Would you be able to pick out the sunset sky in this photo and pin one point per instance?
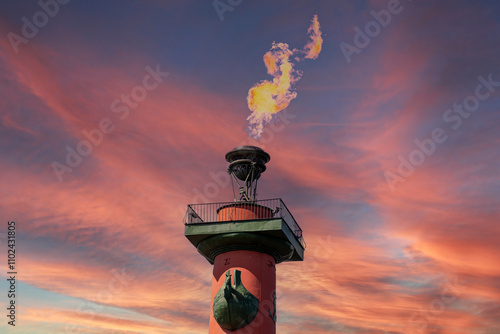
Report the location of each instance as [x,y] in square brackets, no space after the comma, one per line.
[388,158]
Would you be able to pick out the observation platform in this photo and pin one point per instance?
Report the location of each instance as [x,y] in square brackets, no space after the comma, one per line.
[263,225]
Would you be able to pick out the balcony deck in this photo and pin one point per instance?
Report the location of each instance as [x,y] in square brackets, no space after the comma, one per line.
[269,217]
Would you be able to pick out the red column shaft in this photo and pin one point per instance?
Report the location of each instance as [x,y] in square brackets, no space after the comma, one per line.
[258,275]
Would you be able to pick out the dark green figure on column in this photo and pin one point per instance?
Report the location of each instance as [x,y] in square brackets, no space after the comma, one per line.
[234,306]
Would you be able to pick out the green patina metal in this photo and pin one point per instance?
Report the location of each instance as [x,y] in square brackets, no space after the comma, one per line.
[198,235]
[280,249]
[234,306]
[273,314]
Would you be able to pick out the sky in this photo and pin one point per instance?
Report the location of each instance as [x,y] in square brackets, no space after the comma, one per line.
[115,115]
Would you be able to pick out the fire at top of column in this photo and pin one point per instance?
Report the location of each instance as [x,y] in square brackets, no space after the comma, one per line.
[269,97]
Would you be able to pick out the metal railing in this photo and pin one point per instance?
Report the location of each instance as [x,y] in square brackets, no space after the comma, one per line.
[233,211]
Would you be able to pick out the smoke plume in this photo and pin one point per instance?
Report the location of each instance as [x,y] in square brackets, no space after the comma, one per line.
[269,97]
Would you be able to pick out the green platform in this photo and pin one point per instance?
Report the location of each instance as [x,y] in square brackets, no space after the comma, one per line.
[274,233]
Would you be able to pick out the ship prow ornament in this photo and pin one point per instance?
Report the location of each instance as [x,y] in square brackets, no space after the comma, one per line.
[234,306]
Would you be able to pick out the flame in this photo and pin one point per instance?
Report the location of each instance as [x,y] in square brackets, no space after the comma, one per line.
[313,47]
[269,97]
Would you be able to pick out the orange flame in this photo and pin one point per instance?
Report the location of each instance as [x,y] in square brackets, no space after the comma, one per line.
[313,47]
[269,97]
